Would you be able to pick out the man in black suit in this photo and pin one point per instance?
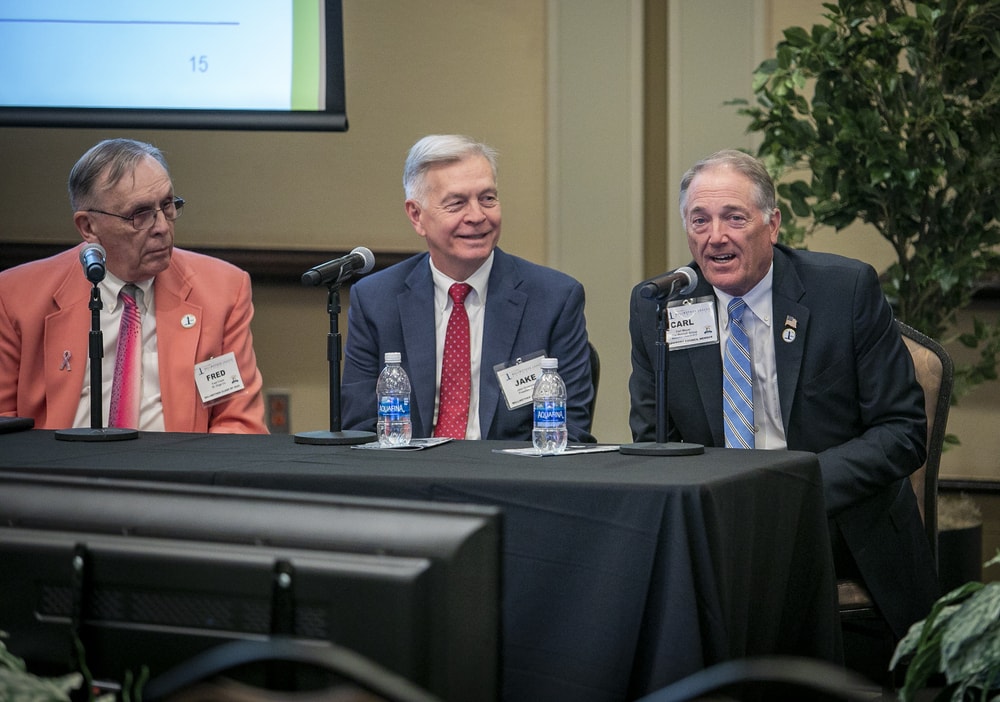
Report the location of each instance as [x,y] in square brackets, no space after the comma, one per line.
[830,375]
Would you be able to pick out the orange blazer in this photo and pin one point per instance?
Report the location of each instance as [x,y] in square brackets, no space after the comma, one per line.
[45,315]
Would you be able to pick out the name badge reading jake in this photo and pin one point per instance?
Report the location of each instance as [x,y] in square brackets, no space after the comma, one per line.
[217,378]
[517,380]
[692,322]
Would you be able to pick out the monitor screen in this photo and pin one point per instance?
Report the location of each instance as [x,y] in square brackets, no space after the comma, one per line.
[154,574]
[225,64]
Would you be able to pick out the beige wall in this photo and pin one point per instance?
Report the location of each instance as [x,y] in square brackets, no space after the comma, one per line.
[555,85]
[475,67]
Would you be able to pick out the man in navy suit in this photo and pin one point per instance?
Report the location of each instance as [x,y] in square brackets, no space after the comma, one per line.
[517,310]
[831,375]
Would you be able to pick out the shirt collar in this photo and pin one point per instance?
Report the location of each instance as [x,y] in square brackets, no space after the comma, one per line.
[478,281]
[112,285]
[757,299]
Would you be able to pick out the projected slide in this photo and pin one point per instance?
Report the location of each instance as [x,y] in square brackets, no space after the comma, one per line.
[217,54]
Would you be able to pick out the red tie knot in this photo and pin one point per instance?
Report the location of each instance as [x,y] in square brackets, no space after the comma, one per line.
[128,294]
[458,291]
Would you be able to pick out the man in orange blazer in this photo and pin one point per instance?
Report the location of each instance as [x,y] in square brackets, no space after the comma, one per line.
[193,307]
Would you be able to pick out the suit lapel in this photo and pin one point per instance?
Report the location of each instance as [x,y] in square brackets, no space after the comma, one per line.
[416,311]
[177,346]
[706,367]
[504,310]
[67,330]
[787,290]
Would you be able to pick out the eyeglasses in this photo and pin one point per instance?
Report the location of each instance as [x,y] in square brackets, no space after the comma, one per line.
[144,219]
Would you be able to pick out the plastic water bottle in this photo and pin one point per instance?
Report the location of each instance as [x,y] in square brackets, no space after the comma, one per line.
[549,396]
[393,391]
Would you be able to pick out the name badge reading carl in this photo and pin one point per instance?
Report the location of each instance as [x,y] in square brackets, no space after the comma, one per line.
[217,378]
[692,322]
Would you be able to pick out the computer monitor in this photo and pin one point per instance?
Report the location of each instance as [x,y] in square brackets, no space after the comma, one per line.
[152,574]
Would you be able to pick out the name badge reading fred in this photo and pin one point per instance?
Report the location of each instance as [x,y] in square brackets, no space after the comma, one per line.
[517,380]
[692,322]
[217,378]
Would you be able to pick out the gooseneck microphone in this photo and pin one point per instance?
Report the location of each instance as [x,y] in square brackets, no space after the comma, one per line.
[93,257]
[666,285]
[359,261]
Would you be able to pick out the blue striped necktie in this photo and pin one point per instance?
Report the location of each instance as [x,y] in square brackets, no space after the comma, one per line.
[737,385]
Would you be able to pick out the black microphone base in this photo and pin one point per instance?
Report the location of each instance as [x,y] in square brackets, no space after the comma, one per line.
[670,448]
[102,434]
[335,438]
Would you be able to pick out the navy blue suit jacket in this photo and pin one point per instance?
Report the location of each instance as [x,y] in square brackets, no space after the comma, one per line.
[847,392]
[529,308]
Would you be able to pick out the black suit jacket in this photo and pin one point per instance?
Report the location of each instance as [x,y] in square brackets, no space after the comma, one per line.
[847,392]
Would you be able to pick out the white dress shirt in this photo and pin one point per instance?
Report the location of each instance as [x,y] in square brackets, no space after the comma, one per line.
[769,433]
[475,307]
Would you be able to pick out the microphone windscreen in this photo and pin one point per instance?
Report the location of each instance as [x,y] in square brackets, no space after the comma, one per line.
[87,248]
[368,257]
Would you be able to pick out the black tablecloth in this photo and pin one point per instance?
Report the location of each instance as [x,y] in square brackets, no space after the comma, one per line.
[621,573]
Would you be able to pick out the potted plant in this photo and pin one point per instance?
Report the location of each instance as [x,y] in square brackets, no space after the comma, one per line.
[16,683]
[959,639]
[889,114]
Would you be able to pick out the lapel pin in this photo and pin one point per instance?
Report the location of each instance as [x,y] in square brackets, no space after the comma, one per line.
[788,333]
[188,321]
[65,361]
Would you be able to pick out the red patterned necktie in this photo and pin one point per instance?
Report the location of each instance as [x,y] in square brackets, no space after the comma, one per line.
[456,369]
[126,387]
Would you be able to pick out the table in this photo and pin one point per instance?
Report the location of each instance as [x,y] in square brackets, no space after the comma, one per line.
[622,573]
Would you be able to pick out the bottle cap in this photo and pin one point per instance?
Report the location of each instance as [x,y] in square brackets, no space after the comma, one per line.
[550,363]
[393,356]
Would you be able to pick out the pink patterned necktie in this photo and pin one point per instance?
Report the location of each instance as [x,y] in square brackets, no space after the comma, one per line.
[456,369]
[126,388]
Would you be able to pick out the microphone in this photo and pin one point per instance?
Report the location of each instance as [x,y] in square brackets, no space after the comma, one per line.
[92,257]
[360,261]
[663,287]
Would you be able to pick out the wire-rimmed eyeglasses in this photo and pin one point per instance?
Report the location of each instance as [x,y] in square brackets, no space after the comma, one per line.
[144,219]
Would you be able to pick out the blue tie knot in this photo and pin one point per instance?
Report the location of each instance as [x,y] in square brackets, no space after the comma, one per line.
[736,307]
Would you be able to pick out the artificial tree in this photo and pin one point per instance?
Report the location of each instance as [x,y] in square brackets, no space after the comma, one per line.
[889,114]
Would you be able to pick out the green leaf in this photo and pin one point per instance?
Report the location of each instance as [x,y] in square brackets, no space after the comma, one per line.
[797,36]
[970,643]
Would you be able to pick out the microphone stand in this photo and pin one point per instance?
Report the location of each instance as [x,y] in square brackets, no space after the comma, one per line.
[661,447]
[97,430]
[333,349]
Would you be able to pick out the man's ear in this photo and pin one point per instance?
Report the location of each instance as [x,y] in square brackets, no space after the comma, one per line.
[84,224]
[413,212]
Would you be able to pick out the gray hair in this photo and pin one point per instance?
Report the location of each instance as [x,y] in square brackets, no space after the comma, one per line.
[437,149]
[119,157]
[760,179]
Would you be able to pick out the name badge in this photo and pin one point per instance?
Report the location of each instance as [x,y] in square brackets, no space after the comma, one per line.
[517,380]
[692,322]
[217,378]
